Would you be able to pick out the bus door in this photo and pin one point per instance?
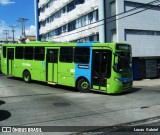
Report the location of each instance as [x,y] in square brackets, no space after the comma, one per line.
[10,61]
[52,65]
[99,69]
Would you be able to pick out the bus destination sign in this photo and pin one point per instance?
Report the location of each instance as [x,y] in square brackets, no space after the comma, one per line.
[123,47]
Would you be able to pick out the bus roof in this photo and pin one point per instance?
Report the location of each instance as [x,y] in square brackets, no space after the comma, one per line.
[67,44]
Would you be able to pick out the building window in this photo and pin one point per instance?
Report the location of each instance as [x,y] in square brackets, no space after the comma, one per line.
[113,36]
[66,54]
[142,32]
[78,2]
[70,6]
[113,8]
[64,28]
[90,17]
[72,26]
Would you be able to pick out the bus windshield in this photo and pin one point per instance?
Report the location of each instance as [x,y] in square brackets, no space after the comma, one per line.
[124,62]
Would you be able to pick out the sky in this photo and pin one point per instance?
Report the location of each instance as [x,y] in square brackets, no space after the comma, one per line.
[11,10]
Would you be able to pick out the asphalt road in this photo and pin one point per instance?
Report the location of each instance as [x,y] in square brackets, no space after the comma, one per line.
[38,104]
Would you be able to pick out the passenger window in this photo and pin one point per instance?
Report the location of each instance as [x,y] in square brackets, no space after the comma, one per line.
[82,55]
[19,52]
[66,54]
[4,52]
[39,53]
[28,53]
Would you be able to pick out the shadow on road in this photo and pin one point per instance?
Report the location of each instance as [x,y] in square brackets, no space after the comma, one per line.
[4,115]
[72,89]
[133,90]
[2,102]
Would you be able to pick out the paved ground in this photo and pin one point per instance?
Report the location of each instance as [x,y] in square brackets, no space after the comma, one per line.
[147,82]
[38,104]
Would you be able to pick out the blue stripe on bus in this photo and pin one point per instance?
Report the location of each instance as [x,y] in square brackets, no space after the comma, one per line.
[84,70]
[126,80]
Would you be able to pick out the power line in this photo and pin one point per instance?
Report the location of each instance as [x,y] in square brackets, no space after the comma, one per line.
[13,30]
[6,32]
[138,7]
[145,5]
[22,21]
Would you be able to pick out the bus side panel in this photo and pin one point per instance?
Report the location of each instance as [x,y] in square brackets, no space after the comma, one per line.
[37,69]
[4,65]
[18,68]
[66,73]
[84,70]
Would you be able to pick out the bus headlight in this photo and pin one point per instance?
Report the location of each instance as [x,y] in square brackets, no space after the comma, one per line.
[117,80]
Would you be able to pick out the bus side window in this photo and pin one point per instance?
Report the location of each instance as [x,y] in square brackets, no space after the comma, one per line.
[19,53]
[28,53]
[66,54]
[81,55]
[39,53]
[4,52]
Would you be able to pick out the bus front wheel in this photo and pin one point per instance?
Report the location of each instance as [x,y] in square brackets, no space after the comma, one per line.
[83,85]
[26,76]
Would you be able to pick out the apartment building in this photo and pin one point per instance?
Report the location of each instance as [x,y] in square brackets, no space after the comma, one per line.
[136,22]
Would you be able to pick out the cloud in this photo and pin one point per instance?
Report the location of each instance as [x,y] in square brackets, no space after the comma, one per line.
[5,26]
[31,31]
[6,2]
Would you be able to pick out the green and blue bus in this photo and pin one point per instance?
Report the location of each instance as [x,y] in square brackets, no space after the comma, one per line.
[105,67]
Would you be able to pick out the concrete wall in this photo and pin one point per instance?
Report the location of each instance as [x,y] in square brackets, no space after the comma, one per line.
[149,20]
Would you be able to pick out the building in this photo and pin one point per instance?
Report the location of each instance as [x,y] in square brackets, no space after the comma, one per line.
[9,40]
[136,22]
[31,38]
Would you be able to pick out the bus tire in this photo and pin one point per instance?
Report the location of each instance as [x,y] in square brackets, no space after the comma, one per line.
[83,85]
[27,76]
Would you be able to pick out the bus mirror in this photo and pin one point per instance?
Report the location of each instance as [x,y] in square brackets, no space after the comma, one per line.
[115,67]
[115,59]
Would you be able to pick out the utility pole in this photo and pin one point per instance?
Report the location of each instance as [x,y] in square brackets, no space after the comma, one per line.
[13,31]
[6,32]
[22,21]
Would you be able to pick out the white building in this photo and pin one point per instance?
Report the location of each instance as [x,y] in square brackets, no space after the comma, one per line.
[136,22]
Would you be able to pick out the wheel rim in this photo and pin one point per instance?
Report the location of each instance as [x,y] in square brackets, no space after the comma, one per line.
[26,77]
[84,85]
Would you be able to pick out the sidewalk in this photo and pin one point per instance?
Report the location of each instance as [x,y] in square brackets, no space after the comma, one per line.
[147,82]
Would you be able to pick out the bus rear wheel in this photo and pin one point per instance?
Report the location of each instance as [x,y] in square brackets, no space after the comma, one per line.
[83,85]
[27,76]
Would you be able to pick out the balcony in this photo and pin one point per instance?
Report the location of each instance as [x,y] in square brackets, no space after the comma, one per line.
[82,32]
[41,17]
[87,7]
[42,2]
[57,5]
[42,31]
[80,10]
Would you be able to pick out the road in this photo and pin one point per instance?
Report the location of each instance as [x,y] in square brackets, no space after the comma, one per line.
[38,104]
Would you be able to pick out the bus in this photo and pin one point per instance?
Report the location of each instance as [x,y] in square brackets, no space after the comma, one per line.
[104,67]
